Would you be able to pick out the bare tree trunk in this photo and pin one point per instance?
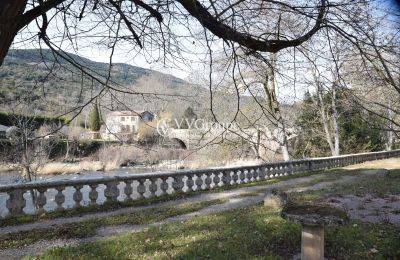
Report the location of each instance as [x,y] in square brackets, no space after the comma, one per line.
[336,150]
[273,104]
[67,153]
[257,144]
[389,134]
[325,120]
[10,13]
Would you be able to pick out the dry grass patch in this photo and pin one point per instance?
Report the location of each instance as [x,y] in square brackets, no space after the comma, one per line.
[65,168]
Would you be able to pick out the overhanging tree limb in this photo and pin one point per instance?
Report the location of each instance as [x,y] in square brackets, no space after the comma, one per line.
[198,11]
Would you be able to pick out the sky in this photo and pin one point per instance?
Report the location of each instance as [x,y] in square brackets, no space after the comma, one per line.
[100,53]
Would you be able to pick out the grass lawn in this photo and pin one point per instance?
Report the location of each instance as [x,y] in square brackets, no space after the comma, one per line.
[254,232]
[88,228]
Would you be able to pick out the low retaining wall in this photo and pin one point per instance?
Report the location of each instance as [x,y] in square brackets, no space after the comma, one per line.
[59,195]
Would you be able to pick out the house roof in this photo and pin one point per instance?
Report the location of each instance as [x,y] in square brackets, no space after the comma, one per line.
[128,113]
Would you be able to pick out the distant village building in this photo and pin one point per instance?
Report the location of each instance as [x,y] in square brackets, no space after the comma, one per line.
[120,124]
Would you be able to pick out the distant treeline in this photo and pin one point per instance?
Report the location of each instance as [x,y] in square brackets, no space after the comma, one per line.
[10,119]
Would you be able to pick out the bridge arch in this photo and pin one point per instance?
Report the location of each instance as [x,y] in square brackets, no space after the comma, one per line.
[179,143]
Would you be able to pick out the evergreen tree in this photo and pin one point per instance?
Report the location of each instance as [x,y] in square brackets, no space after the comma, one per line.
[188,116]
[94,118]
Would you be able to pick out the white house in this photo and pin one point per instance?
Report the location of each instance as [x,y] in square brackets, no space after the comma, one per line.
[124,123]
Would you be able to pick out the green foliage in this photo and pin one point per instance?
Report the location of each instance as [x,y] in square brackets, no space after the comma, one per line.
[94,118]
[358,129]
[188,116]
[10,119]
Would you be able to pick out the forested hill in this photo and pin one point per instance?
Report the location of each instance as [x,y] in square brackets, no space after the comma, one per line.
[32,82]
[124,73]
[50,88]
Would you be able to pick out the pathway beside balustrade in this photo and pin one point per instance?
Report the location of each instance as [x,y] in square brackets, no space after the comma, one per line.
[16,199]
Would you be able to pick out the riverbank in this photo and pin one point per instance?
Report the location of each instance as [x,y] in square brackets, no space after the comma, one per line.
[86,165]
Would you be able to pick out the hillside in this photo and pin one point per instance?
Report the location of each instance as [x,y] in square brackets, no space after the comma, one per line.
[52,88]
[31,83]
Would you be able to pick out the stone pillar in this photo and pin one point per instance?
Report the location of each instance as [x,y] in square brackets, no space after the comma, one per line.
[190,183]
[312,243]
[208,180]
[216,179]
[141,188]
[153,187]
[93,194]
[59,198]
[41,200]
[164,186]
[178,184]
[77,196]
[16,203]
[242,176]
[128,190]
[111,192]
[199,181]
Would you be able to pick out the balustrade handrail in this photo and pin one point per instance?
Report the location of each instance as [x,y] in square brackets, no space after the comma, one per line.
[137,176]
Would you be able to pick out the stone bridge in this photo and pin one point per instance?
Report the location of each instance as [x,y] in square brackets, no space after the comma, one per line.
[192,138]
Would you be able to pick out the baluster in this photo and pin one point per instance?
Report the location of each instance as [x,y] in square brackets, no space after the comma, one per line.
[59,198]
[141,188]
[190,183]
[111,192]
[93,194]
[226,179]
[275,171]
[242,176]
[285,171]
[216,179]
[128,190]
[262,173]
[208,180]
[77,197]
[248,176]
[178,184]
[199,181]
[164,186]
[255,174]
[16,202]
[235,177]
[41,200]
[153,187]
[258,174]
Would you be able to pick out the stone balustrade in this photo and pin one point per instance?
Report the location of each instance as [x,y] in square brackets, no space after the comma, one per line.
[62,194]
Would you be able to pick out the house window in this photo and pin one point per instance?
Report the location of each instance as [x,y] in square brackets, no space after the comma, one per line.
[132,118]
[122,118]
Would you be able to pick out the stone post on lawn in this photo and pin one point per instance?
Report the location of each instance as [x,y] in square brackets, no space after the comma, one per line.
[313,219]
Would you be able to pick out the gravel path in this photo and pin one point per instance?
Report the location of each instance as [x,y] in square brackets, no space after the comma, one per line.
[234,201]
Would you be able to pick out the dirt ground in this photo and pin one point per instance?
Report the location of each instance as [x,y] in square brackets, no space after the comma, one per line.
[370,209]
